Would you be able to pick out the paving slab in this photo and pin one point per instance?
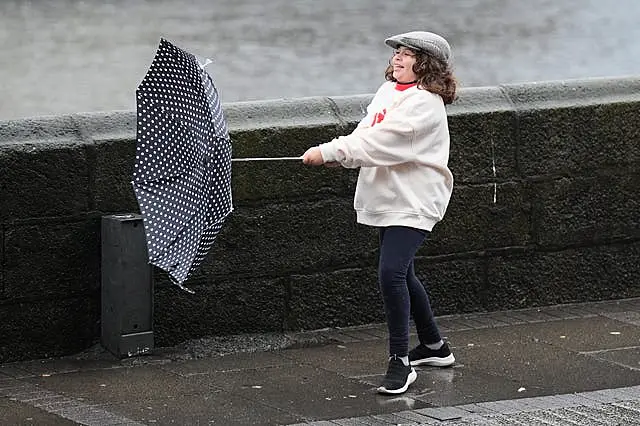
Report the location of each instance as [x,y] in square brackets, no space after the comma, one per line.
[630,317]
[456,386]
[355,359]
[304,391]
[45,367]
[123,385]
[17,413]
[215,408]
[540,368]
[627,357]
[227,363]
[584,334]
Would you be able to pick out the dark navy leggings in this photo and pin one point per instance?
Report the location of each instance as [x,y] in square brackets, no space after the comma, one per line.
[402,292]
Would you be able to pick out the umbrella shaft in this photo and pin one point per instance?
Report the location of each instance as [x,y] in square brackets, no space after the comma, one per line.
[268,159]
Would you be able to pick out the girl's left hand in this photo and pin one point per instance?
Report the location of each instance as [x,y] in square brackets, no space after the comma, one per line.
[313,157]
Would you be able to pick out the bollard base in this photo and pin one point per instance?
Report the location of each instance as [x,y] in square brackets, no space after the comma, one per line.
[135,344]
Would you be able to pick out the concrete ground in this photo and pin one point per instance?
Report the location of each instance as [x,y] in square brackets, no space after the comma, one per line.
[562,365]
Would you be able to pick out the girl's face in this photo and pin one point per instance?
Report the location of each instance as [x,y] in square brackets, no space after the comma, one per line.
[402,61]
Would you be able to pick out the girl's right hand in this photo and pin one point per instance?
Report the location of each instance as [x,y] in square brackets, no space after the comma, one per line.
[313,157]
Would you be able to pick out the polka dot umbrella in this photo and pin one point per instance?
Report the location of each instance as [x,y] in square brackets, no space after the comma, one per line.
[182,174]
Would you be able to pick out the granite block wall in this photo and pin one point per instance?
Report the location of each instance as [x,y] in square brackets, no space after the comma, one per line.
[545,210]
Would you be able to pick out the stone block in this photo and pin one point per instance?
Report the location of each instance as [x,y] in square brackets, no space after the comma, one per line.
[455,285]
[620,140]
[478,143]
[474,222]
[56,327]
[42,179]
[586,210]
[40,130]
[560,141]
[284,113]
[351,109]
[51,259]
[290,238]
[280,128]
[578,126]
[221,306]
[483,131]
[2,257]
[279,180]
[571,93]
[576,275]
[107,126]
[281,142]
[112,174]
[334,299]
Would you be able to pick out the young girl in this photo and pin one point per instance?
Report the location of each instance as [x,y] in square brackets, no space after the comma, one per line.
[403,189]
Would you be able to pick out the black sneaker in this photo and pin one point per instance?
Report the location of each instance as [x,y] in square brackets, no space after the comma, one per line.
[398,377]
[422,355]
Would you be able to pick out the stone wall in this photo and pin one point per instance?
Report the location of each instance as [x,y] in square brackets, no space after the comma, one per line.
[558,221]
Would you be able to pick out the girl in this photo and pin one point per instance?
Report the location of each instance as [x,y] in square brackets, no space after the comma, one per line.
[404,186]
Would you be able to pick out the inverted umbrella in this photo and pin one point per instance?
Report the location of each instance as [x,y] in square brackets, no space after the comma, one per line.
[182,172]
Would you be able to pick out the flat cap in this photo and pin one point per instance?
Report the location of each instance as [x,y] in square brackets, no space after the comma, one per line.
[424,41]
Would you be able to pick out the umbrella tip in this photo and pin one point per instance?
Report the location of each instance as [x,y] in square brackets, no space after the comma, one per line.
[207,61]
[188,290]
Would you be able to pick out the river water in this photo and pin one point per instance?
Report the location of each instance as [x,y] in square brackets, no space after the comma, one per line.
[66,56]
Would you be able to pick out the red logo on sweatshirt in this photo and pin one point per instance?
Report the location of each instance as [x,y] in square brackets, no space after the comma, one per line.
[379,117]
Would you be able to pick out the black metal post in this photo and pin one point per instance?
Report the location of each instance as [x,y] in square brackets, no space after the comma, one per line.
[127,287]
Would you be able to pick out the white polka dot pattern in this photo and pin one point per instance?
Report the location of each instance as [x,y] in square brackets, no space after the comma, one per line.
[182,174]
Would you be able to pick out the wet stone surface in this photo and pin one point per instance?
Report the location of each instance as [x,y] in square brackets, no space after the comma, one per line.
[549,369]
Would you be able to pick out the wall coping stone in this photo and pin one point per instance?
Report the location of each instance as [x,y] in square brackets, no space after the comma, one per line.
[91,127]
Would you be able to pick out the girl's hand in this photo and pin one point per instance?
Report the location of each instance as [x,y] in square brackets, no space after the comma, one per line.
[313,157]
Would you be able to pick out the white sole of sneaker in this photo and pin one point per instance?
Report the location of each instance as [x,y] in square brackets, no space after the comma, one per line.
[435,362]
[410,379]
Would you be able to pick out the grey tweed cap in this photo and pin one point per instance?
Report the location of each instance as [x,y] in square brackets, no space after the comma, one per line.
[424,41]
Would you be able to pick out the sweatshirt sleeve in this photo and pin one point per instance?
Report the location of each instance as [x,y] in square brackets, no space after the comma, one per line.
[388,143]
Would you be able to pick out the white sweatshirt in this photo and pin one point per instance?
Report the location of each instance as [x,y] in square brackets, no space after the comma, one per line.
[402,149]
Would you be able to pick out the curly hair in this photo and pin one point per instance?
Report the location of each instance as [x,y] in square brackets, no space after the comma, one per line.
[432,75]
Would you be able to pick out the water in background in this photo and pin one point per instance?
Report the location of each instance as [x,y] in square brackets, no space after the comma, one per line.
[66,56]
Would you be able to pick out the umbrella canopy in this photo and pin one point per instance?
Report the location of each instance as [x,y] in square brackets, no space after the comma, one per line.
[182,174]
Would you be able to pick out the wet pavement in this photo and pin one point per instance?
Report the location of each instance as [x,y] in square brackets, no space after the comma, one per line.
[569,364]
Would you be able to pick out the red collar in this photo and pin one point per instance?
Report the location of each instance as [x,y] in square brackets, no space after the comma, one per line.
[404,86]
